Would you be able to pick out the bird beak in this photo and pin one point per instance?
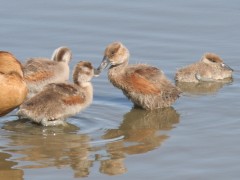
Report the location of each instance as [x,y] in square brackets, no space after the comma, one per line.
[105,62]
[96,72]
[226,67]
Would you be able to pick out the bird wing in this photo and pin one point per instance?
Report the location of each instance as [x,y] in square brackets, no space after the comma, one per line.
[69,94]
[62,88]
[38,69]
[52,101]
[143,79]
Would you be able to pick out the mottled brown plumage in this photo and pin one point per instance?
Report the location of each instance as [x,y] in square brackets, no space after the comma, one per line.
[39,72]
[146,86]
[58,101]
[210,68]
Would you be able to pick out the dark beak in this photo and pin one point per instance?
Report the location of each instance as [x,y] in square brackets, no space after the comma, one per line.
[226,67]
[105,62]
[96,72]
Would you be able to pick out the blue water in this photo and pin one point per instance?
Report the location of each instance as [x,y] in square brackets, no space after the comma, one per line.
[198,138]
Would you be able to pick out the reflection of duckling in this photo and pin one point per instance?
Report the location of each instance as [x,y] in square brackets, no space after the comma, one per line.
[141,127]
[13,88]
[210,68]
[144,85]
[23,125]
[39,72]
[47,147]
[202,87]
[61,100]
[7,170]
[113,166]
[81,167]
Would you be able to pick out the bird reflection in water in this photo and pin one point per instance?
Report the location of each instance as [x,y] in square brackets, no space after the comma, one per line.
[63,146]
[49,146]
[203,88]
[7,170]
[143,131]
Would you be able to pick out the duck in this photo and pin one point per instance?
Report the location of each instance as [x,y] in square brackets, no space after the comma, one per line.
[210,68]
[58,101]
[39,72]
[146,86]
[13,87]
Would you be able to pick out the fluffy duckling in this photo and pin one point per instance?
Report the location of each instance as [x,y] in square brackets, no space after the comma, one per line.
[13,88]
[58,101]
[146,86]
[39,72]
[210,68]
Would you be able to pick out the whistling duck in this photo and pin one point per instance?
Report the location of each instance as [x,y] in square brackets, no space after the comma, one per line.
[13,87]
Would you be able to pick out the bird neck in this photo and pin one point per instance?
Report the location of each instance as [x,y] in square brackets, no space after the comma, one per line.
[119,66]
[84,84]
[87,89]
[116,73]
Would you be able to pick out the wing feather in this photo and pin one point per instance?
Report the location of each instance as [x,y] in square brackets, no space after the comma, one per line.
[38,69]
[143,79]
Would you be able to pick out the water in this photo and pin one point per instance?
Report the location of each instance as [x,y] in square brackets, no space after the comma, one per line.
[197,138]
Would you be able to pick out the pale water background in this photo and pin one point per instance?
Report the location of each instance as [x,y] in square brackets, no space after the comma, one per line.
[198,138]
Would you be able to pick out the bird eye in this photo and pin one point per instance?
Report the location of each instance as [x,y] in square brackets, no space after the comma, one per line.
[212,60]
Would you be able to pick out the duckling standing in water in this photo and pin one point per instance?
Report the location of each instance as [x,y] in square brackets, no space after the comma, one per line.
[13,88]
[210,68]
[39,72]
[58,101]
[146,86]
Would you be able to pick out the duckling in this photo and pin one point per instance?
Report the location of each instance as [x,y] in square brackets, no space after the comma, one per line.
[58,101]
[13,87]
[39,72]
[210,68]
[146,86]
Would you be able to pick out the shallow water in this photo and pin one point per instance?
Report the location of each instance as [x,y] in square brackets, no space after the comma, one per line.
[197,138]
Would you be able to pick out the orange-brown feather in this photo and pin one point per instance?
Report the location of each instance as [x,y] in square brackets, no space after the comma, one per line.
[142,85]
[149,72]
[73,100]
[39,76]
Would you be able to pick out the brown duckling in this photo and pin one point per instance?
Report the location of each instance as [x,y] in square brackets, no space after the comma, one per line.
[146,86]
[39,72]
[58,101]
[210,68]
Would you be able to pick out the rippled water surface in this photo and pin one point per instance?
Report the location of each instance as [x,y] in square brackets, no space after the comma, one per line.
[197,138]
